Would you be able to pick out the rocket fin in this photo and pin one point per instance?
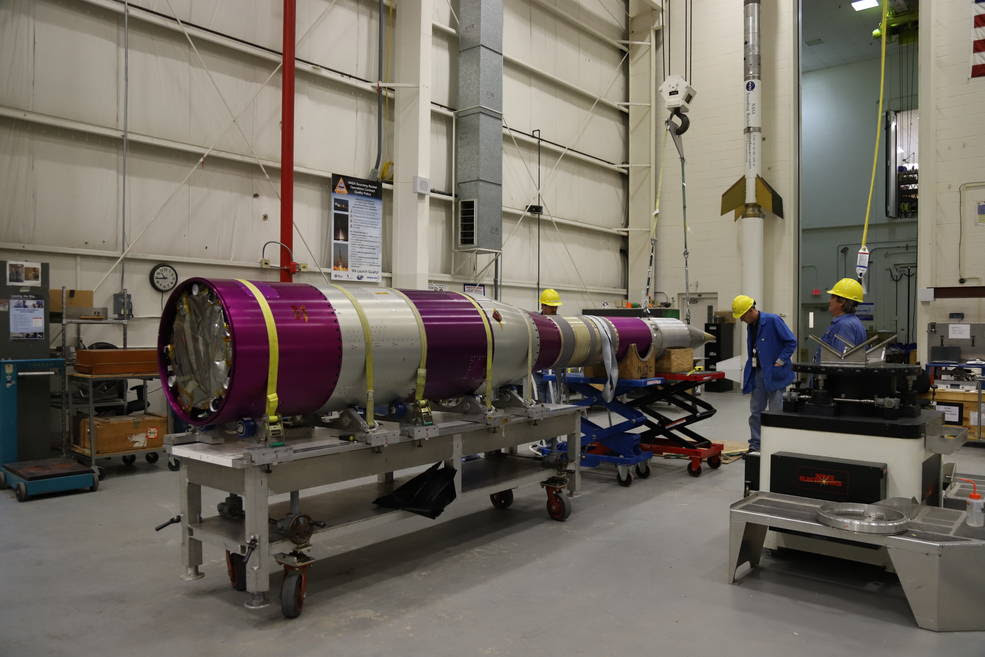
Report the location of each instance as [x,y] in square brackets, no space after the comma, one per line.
[735,196]
[767,197]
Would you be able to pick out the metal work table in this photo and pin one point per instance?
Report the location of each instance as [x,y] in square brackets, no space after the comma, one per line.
[939,559]
[321,456]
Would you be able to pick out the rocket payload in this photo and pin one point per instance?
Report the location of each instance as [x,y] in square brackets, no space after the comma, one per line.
[219,340]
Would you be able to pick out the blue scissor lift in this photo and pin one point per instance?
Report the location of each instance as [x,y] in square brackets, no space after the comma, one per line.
[616,444]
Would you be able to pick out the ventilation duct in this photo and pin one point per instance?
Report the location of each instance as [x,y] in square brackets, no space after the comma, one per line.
[479,127]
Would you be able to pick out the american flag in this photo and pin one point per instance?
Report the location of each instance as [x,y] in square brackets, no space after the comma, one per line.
[978,41]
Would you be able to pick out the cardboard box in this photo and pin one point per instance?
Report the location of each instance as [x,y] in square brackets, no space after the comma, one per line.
[676,361]
[122,434]
[73,299]
[116,361]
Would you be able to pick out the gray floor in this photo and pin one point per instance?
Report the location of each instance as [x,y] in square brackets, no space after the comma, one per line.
[633,571]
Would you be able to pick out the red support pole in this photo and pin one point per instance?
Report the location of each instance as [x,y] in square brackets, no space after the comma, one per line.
[287,144]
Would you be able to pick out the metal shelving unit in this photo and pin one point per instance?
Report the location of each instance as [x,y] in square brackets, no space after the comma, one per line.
[90,405]
[91,454]
[932,368]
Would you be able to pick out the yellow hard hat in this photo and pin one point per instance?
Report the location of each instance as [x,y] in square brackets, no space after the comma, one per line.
[741,305]
[550,297]
[848,288]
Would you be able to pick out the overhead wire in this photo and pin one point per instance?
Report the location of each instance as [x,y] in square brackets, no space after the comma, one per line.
[209,150]
[879,119]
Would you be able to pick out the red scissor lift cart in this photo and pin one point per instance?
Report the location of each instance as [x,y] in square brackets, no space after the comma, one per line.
[665,435]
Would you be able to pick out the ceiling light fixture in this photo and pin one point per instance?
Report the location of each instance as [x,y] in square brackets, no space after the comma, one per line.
[859,5]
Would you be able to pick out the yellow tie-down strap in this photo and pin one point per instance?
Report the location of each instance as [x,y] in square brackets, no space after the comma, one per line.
[368,340]
[489,349]
[422,371]
[273,350]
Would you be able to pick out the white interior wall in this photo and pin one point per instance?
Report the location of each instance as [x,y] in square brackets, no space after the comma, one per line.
[61,112]
[714,147]
[952,147]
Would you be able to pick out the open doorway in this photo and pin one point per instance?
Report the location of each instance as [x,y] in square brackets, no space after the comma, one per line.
[839,92]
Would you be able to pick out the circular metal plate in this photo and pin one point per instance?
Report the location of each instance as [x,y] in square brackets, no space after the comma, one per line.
[863,518]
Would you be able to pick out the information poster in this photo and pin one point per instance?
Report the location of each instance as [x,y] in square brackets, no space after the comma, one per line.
[24,274]
[357,229]
[26,319]
[952,411]
[959,331]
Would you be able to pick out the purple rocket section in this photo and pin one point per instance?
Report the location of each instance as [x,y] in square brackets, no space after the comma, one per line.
[456,361]
[310,348]
[550,341]
[631,330]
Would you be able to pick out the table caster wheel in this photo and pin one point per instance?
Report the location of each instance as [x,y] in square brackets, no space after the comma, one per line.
[715,462]
[643,469]
[292,594]
[623,476]
[558,506]
[100,473]
[173,464]
[95,484]
[20,490]
[502,499]
[3,481]
[151,457]
[694,470]
[129,460]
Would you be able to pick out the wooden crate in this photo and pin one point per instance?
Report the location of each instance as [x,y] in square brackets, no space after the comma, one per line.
[676,361]
[116,361]
[632,366]
[965,404]
[122,434]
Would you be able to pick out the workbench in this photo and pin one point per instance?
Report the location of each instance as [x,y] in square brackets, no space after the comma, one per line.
[318,456]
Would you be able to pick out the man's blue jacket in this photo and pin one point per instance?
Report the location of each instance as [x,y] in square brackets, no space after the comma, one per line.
[774,341]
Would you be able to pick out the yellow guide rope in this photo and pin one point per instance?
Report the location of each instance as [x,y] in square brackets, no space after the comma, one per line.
[273,351]
[368,340]
[489,349]
[875,153]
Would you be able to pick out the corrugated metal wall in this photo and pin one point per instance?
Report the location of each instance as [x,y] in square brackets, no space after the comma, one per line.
[61,109]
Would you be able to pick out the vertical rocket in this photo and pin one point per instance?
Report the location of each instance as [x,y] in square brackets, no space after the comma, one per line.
[751,196]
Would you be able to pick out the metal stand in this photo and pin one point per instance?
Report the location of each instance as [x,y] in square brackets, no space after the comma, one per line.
[316,457]
[939,559]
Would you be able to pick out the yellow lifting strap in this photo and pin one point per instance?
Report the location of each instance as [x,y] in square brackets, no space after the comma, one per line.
[273,351]
[489,349]
[422,371]
[368,340]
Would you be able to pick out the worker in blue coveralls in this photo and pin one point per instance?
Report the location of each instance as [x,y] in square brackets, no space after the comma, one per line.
[845,297]
[770,346]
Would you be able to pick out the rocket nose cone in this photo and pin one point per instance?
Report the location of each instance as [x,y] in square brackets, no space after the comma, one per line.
[698,337]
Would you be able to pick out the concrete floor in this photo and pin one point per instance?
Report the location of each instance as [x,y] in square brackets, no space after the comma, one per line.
[632,571]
